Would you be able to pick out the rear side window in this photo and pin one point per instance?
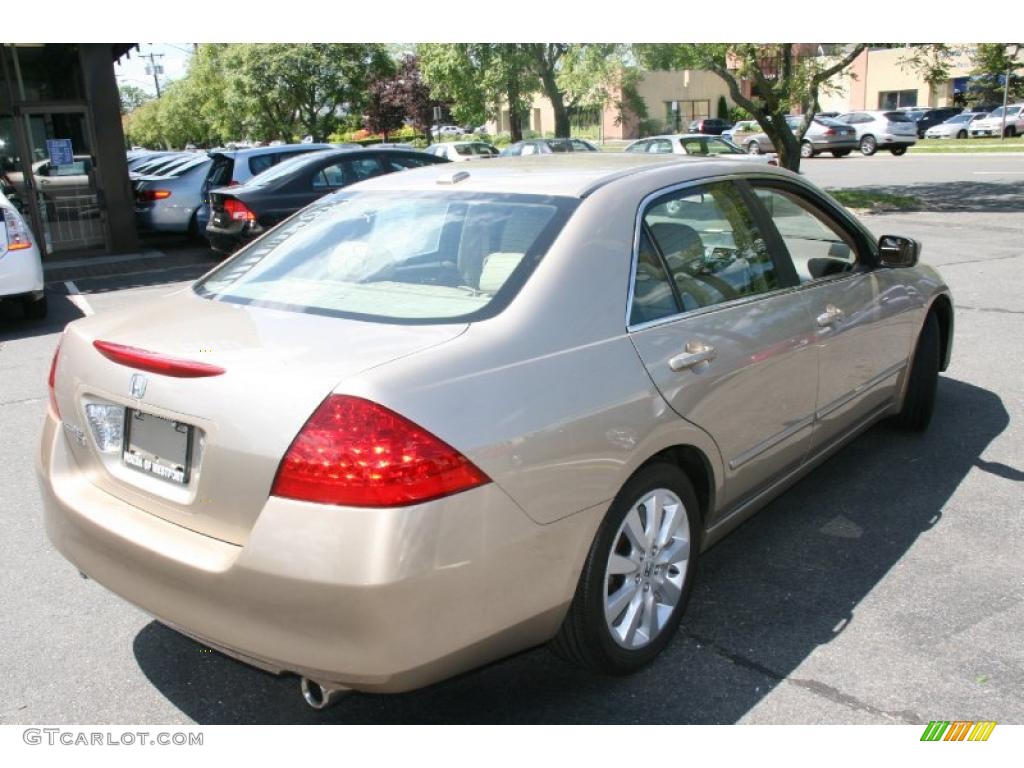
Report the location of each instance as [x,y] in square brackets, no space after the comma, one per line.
[260,163]
[709,245]
[897,117]
[398,257]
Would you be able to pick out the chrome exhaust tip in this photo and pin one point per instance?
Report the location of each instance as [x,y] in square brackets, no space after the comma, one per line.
[318,695]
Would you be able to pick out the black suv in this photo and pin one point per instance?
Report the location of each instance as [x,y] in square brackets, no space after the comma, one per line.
[926,118]
[711,126]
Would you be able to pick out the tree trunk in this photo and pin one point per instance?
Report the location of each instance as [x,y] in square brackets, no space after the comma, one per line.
[562,126]
[515,119]
[785,141]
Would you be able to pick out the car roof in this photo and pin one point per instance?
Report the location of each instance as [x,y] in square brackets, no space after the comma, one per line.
[281,149]
[568,175]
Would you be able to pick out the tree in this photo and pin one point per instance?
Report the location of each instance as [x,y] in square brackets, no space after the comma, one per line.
[478,80]
[574,75]
[992,62]
[781,80]
[132,97]
[306,88]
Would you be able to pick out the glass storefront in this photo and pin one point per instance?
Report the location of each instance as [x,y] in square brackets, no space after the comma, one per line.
[47,152]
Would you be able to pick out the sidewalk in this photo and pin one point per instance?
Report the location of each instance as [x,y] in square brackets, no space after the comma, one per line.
[198,257]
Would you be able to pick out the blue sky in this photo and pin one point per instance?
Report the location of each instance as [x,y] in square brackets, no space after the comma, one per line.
[132,71]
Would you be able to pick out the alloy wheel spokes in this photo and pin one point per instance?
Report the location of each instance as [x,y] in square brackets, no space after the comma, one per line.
[646,568]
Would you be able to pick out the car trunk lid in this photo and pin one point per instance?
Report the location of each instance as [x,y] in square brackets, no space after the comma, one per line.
[278,366]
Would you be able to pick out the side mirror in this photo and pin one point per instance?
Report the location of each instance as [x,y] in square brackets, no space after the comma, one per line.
[896,251]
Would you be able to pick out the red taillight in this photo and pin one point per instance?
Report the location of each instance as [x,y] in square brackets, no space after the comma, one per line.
[233,183]
[830,132]
[149,195]
[237,210]
[774,162]
[17,230]
[353,452]
[51,381]
[154,362]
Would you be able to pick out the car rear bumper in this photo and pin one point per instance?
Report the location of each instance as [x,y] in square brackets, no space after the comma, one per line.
[21,273]
[382,600]
[230,239]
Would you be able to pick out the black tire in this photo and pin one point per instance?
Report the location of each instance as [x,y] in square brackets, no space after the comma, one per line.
[584,637]
[919,403]
[192,233]
[807,150]
[868,145]
[898,151]
[840,152]
[962,134]
[1010,132]
[753,148]
[35,309]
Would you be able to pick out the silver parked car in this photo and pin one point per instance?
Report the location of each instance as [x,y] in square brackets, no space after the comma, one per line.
[955,127]
[696,145]
[892,130]
[444,415]
[170,202]
[461,151]
[823,135]
[21,264]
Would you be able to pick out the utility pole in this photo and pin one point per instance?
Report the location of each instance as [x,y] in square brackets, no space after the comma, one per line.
[154,68]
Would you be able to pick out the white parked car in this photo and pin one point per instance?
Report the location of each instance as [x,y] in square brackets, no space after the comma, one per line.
[440,131]
[21,265]
[460,151]
[956,127]
[993,124]
[888,129]
[697,145]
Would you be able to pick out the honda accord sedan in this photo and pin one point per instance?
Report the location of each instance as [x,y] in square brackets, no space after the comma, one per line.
[444,415]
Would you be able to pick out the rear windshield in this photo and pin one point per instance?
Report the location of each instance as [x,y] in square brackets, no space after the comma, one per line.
[405,257]
[898,117]
[474,149]
[221,171]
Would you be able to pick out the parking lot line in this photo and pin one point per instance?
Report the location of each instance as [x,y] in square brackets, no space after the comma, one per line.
[78,299]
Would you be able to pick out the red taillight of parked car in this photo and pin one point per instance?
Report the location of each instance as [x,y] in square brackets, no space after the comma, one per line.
[353,452]
[51,381]
[237,210]
[830,132]
[149,195]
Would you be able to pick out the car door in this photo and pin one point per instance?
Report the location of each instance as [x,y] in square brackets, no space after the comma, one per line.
[722,333]
[863,331]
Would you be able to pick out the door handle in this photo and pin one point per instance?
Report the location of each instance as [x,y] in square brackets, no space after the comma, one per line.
[830,316]
[697,352]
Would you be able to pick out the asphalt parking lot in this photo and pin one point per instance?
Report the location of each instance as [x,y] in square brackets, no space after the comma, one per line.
[886,587]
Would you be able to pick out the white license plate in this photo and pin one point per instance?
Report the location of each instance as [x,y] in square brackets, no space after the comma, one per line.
[157,446]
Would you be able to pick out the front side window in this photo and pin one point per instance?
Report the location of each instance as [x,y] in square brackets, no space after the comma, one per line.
[817,245]
[660,147]
[396,256]
[710,245]
[637,147]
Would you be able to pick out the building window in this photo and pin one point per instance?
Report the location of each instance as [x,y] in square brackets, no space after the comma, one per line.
[897,99]
[688,110]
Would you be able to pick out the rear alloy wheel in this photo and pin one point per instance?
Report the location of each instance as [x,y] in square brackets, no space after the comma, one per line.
[806,149]
[637,577]
[898,151]
[962,134]
[868,146]
[753,148]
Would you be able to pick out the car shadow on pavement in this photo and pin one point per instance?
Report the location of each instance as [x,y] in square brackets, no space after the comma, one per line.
[14,324]
[785,583]
[959,196]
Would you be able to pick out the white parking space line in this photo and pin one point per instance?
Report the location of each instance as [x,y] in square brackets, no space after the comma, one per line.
[995,173]
[78,299]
